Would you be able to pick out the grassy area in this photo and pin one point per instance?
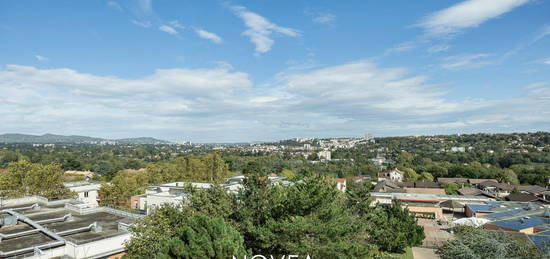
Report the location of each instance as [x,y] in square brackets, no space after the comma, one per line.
[408,254]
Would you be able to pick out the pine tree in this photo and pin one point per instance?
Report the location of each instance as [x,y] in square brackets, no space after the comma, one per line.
[203,237]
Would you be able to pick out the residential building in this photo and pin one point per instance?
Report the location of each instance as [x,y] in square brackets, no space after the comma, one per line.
[421,203]
[340,184]
[423,199]
[497,189]
[491,207]
[87,191]
[394,175]
[324,155]
[520,220]
[522,197]
[155,195]
[458,149]
[34,227]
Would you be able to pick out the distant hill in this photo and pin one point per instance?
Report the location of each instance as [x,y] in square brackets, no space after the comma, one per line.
[142,140]
[53,139]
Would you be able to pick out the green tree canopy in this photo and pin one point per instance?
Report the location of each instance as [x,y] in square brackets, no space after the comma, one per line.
[425,176]
[124,185]
[25,178]
[410,174]
[309,217]
[203,237]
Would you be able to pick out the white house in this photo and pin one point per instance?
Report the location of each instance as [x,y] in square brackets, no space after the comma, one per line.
[394,175]
[87,191]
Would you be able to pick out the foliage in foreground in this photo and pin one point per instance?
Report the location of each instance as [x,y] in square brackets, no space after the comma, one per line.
[203,237]
[311,217]
[476,243]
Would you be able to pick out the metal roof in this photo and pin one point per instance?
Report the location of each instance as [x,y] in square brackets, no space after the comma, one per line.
[523,222]
[541,241]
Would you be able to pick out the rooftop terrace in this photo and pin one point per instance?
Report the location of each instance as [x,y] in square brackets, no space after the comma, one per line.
[28,228]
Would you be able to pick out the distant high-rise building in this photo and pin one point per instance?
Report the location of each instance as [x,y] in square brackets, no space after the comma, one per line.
[324,155]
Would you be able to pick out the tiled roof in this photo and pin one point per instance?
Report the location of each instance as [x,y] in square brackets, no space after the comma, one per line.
[478,181]
[452,180]
[421,184]
[535,189]
[522,197]
[405,184]
[340,180]
[438,191]
[469,191]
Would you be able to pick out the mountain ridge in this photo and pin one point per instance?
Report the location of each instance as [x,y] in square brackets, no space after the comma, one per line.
[75,139]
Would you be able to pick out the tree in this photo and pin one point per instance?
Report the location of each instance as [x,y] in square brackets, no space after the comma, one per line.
[451,188]
[313,156]
[149,231]
[24,178]
[425,176]
[252,168]
[473,243]
[410,174]
[215,201]
[309,217]
[216,167]
[164,221]
[393,228]
[203,237]
[305,218]
[405,159]
[288,174]
[508,176]
[124,185]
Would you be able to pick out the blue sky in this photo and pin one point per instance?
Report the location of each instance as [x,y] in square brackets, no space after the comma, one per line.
[227,71]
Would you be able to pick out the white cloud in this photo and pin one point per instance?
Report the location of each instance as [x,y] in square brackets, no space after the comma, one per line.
[325,18]
[51,99]
[467,14]
[535,85]
[145,24]
[466,61]
[115,5]
[260,29]
[168,29]
[402,47]
[208,35]
[438,48]
[177,24]
[219,104]
[365,88]
[542,33]
[547,62]
[41,58]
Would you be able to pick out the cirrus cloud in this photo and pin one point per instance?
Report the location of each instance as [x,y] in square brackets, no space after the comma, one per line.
[208,35]
[260,29]
[467,14]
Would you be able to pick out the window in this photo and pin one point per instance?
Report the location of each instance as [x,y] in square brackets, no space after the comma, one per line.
[86,195]
[136,204]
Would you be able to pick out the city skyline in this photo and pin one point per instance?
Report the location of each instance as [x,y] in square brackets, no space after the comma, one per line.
[215,71]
